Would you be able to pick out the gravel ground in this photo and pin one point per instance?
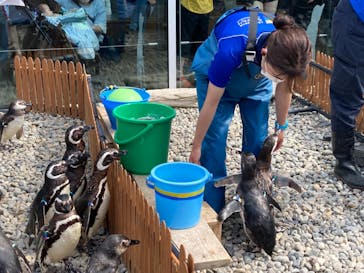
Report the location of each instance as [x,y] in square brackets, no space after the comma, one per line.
[319,230]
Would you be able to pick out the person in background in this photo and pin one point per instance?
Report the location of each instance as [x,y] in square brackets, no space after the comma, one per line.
[224,79]
[194,30]
[3,36]
[123,16]
[95,10]
[347,87]
[300,10]
[269,6]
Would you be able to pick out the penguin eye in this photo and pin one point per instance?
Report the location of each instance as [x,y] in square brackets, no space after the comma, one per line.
[125,243]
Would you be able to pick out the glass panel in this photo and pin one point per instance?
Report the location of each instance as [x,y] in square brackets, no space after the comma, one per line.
[133,52]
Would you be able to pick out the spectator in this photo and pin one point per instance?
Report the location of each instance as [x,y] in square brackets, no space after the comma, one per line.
[300,10]
[3,36]
[347,87]
[269,6]
[78,31]
[95,10]
[194,30]
[224,79]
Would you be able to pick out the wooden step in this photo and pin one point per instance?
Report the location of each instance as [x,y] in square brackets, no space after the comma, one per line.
[201,241]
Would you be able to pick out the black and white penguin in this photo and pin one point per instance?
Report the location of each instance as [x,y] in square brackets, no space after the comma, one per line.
[42,208]
[76,172]
[253,206]
[11,123]
[264,166]
[107,257]
[74,139]
[93,204]
[265,178]
[58,240]
[12,260]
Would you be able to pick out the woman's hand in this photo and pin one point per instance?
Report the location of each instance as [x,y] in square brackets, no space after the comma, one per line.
[280,134]
[97,29]
[195,155]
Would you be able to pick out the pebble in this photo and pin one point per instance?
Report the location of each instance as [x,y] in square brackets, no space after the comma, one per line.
[320,230]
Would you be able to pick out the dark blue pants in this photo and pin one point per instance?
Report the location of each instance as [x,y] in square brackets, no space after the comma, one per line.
[347,81]
[254,115]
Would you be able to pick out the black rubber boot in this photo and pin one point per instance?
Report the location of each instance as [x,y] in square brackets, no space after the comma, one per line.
[346,168]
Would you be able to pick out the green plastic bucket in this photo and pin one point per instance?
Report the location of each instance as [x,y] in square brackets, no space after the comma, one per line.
[143,130]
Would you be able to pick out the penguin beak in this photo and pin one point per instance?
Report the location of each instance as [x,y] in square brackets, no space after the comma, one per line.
[134,242]
[28,106]
[71,161]
[123,152]
[88,128]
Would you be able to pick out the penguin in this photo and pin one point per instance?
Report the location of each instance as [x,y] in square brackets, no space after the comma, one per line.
[265,177]
[11,257]
[11,123]
[42,208]
[107,257]
[58,240]
[76,172]
[253,206]
[74,139]
[93,204]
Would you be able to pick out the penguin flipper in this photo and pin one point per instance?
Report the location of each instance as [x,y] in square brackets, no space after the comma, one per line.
[19,133]
[273,202]
[285,181]
[230,208]
[236,178]
[31,228]
[22,257]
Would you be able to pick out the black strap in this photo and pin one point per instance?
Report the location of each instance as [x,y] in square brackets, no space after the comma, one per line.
[249,53]
[252,33]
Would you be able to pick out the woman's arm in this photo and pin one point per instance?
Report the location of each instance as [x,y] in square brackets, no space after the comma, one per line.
[283,96]
[100,16]
[207,113]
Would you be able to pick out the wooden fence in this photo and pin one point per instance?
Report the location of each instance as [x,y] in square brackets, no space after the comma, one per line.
[64,89]
[315,88]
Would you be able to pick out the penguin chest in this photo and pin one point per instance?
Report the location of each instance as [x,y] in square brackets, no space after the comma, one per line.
[69,234]
[101,207]
[12,128]
[79,188]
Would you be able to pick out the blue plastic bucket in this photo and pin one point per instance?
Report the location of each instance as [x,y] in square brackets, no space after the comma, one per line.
[110,105]
[179,189]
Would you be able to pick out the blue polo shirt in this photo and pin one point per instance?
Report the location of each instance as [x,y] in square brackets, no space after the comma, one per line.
[358,6]
[222,52]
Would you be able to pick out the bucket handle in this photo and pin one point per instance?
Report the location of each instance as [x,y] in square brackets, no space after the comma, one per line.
[142,132]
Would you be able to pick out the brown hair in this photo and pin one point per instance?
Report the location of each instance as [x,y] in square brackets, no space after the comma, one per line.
[289,48]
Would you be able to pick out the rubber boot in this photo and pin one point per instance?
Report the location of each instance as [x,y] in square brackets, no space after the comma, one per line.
[346,168]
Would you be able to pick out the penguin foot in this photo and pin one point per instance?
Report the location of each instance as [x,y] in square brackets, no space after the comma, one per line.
[69,268]
[253,248]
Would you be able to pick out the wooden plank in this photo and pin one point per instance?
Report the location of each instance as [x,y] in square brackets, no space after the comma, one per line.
[73,93]
[52,87]
[47,92]
[200,241]
[24,78]
[58,87]
[32,85]
[203,245]
[39,83]
[178,97]
[80,90]
[65,89]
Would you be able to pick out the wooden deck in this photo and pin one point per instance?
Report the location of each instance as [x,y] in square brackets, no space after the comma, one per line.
[203,240]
